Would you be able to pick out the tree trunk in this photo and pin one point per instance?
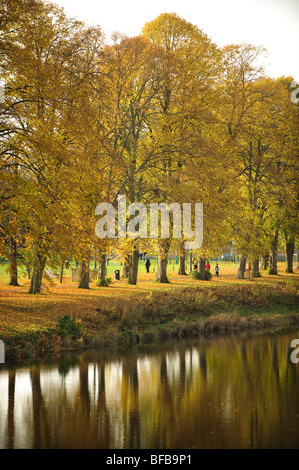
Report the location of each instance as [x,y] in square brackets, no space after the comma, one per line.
[133,266]
[290,248]
[125,273]
[102,267]
[182,268]
[13,264]
[202,268]
[265,261]
[182,257]
[61,274]
[255,268]
[242,267]
[163,250]
[37,275]
[84,275]
[273,255]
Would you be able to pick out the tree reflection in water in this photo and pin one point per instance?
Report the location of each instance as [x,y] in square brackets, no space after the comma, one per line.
[223,392]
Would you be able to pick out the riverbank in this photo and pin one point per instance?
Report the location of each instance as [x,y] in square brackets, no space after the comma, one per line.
[66,318]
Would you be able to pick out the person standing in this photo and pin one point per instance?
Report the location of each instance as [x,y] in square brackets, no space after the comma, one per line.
[208,266]
[147,264]
[217,270]
[249,268]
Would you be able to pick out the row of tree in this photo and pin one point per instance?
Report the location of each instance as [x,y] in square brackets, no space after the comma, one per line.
[163,117]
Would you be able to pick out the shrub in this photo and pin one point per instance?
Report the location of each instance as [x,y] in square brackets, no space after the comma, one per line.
[196,275]
[69,326]
[104,282]
[208,275]
[148,336]
[127,338]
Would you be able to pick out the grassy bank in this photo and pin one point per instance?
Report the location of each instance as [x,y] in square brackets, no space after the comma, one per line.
[64,317]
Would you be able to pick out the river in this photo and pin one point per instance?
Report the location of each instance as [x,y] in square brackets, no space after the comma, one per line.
[227,392]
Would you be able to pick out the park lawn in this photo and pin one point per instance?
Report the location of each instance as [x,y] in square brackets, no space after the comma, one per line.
[226,268]
[20,311]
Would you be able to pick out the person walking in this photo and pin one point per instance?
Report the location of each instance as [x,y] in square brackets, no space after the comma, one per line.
[147,264]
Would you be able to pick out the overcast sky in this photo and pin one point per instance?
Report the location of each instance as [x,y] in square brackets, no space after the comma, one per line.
[273,24]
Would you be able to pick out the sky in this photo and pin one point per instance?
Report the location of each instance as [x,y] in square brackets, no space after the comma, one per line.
[273,24]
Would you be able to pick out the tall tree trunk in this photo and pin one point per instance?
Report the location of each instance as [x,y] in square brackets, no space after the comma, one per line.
[102,267]
[265,261]
[133,266]
[290,248]
[125,273]
[163,250]
[182,257]
[84,275]
[202,268]
[13,264]
[61,274]
[255,267]
[37,275]
[273,255]
[242,266]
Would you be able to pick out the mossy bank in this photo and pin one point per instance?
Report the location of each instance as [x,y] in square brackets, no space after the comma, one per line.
[161,316]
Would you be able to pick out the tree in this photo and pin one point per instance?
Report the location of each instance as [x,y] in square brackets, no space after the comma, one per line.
[186,105]
[134,76]
[182,258]
[47,58]
[257,116]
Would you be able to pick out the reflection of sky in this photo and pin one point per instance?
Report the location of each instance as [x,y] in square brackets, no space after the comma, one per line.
[22,409]
[55,387]
[3,407]
[113,386]
[173,367]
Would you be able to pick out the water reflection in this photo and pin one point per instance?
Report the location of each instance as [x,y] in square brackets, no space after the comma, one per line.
[225,392]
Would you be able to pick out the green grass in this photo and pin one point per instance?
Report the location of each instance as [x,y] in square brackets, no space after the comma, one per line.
[226,268]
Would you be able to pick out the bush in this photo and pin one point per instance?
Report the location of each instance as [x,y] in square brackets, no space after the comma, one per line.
[195,274]
[69,326]
[208,275]
[127,338]
[148,336]
[104,282]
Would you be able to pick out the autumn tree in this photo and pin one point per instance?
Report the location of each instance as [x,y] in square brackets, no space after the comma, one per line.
[133,75]
[256,118]
[44,57]
[188,104]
